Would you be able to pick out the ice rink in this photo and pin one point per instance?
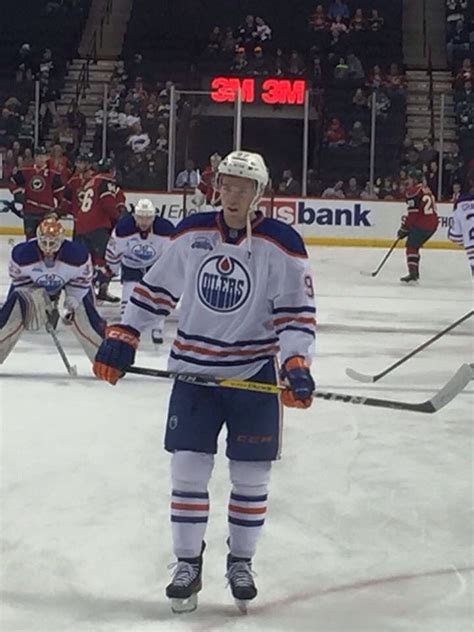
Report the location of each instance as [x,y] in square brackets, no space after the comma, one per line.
[370,523]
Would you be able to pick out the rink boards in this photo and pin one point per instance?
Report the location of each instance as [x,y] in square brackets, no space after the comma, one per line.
[320,221]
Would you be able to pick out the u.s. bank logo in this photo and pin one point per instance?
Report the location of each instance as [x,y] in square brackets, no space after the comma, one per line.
[223,283]
[144,252]
[50,282]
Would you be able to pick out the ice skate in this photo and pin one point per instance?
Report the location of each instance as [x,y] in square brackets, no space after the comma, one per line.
[411,277]
[240,577]
[103,294]
[157,336]
[186,583]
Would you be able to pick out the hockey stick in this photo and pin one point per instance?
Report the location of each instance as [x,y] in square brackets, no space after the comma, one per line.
[362,377]
[72,370]
[452,388]
[382,263]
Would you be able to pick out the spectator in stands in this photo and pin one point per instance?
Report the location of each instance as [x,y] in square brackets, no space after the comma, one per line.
[318,19]
[456,191]
[247,32]
[358,22]
[228,43]
[214,43]
[339,8]
[258,64]
[137,67]
[464,74]
[357,135]
[341,71]
[382,104]
[264,32]
[334,192]
[385,190]
[24,69]
[296,65]
[164,106]
[352,190]
[339,26]
[240,62]
[119,73]
[428,153]
[189,177]
[376,21]
[138,141]
[150,121]
[395,80]
[279,63]
[359,100]
[465,96]
[365,194]
[458,45]
[9,127]
[376,77]
[335,135]
[27,158]
[161,144]
[288,185]
[313,184]
[431,177]
[356,70]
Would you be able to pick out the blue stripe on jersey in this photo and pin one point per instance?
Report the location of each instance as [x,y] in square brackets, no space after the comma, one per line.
[148,308]
[188,519]
[293,328]
[190,494]
[217,363]
[73,253]
[294,310]
[254,499]
[246,523]
[220,343]
[156,289]
[283,234]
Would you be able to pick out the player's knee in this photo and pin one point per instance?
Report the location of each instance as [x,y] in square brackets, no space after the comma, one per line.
[250,478]
[191,471]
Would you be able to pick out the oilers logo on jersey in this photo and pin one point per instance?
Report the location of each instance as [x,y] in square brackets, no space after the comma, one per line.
[52,283]
[144,251]
[223,283]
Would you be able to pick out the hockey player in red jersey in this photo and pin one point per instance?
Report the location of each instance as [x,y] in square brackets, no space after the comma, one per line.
[97,215]
[74,190]
[39,189]
[206,191]
[419,224]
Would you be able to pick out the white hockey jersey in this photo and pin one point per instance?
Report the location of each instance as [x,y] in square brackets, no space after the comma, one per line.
[71,269]
[239,309]
[461,229]
[135,249]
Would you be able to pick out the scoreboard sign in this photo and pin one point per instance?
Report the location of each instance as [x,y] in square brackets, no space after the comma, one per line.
[262,90]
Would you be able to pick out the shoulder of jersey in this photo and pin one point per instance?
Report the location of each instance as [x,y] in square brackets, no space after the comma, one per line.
[282,235]
[26,253]
[197,221]
[126,226]
[465,197]
[74,253]
[162,226]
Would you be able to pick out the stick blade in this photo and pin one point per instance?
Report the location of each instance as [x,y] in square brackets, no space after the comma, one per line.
[453,387]
[359,377]
[367,274]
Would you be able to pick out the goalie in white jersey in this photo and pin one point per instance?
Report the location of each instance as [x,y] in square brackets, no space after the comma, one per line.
[39,270]
[136,243]
[247,296]
[461,227]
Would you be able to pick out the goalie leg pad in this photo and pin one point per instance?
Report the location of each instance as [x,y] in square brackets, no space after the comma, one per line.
[88,326]
[11,325]
[36,305]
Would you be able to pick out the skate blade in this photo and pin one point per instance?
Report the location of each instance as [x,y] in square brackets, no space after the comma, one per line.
[181,606]
[242,605]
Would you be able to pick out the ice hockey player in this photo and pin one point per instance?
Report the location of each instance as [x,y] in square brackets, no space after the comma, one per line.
[38,189]
[74,190]
[419,224]
[39,270]
[461,228]
[136,244]
[206,192]
[247,295]
[99,210]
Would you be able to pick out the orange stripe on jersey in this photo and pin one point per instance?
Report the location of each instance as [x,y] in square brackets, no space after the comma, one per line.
[247,510]
[210,352]
[146,294]
[189,506]
[298,319]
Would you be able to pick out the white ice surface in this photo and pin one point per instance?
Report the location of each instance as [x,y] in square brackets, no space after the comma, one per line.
[370,518]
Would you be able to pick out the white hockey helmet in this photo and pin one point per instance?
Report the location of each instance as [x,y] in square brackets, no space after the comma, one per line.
[145,208]
[50,235]
[245,164]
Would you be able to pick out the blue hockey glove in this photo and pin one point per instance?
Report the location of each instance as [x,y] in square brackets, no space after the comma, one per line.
[296,372]
[116,353]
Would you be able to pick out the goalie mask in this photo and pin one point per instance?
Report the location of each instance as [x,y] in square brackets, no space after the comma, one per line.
[245,164]
[144,214]
[50,236]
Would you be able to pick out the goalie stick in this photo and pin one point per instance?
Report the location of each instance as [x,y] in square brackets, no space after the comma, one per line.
[362,377]
[452,388]
[72,370]
[382,263]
